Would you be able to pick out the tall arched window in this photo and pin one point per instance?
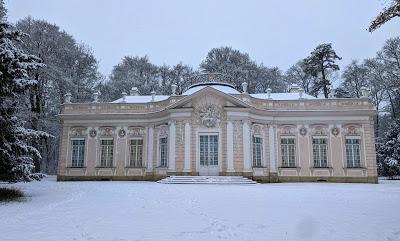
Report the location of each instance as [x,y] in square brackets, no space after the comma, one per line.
[257,151]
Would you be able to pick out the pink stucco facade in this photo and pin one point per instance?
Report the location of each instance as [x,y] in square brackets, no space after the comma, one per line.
[229,123]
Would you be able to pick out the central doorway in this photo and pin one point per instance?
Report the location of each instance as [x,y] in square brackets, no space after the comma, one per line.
[208,155]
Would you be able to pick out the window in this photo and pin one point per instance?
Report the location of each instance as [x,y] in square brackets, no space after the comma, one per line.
[106,154]
[209,150]
[288,152]
[320,152]
[257,151]
[136,153]
[78,153]
[353,155]
[163,151]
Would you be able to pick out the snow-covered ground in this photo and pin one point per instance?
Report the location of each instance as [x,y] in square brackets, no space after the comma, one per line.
[129,211]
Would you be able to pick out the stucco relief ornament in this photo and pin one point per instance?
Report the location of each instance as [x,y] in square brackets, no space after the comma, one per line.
[122,133]
[335,131]
[303,131]
[77,131]
[163,130]
[352,130]
[136,131]
[209,115]
[92,133]
[257,129]
[107,131]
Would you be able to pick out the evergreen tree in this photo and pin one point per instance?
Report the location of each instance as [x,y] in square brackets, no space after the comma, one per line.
[16,153]
[319,64]
[3,11]
[389,151]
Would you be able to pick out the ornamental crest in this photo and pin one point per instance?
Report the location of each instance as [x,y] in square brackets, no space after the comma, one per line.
[209,115]
[121,133]
[335,131]
[93,133]
[303,131]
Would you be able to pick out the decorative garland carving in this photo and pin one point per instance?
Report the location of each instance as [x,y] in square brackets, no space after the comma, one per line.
[352,130]
[136,131]
[181,133]
[237,134]
[257,129]
[319,130]
[77,131]
[163,130]
[288,130]
[107,131]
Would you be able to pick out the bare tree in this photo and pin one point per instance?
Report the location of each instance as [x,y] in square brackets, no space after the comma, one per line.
[297,74]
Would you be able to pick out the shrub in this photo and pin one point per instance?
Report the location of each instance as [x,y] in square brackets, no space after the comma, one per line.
[10,194]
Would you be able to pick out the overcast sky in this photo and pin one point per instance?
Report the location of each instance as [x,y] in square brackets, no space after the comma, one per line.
[274,32]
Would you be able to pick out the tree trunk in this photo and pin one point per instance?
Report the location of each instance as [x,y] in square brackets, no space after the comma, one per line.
[392,106]
[325,84]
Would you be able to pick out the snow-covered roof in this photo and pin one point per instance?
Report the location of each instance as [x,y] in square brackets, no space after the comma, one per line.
[221,87]
[141,99]
[282,96]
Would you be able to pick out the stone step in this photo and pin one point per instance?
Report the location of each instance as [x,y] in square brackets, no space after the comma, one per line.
[206,180]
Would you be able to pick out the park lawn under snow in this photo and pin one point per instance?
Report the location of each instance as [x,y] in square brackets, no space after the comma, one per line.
[130,211]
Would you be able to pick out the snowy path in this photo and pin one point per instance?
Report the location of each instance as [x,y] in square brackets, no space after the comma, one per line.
[147,211]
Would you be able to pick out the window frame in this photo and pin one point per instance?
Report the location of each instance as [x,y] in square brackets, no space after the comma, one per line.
[100,153]
[72,153]
[160,152]
[261,150]
[129,164]
[282,163]
[360,154]
[327,164]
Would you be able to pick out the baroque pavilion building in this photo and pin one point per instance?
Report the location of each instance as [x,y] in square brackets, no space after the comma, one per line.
[212,129]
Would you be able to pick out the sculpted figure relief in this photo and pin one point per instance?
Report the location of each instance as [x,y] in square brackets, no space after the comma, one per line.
[209,115]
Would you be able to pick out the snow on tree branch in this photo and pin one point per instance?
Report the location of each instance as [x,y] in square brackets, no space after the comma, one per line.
[386,15]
